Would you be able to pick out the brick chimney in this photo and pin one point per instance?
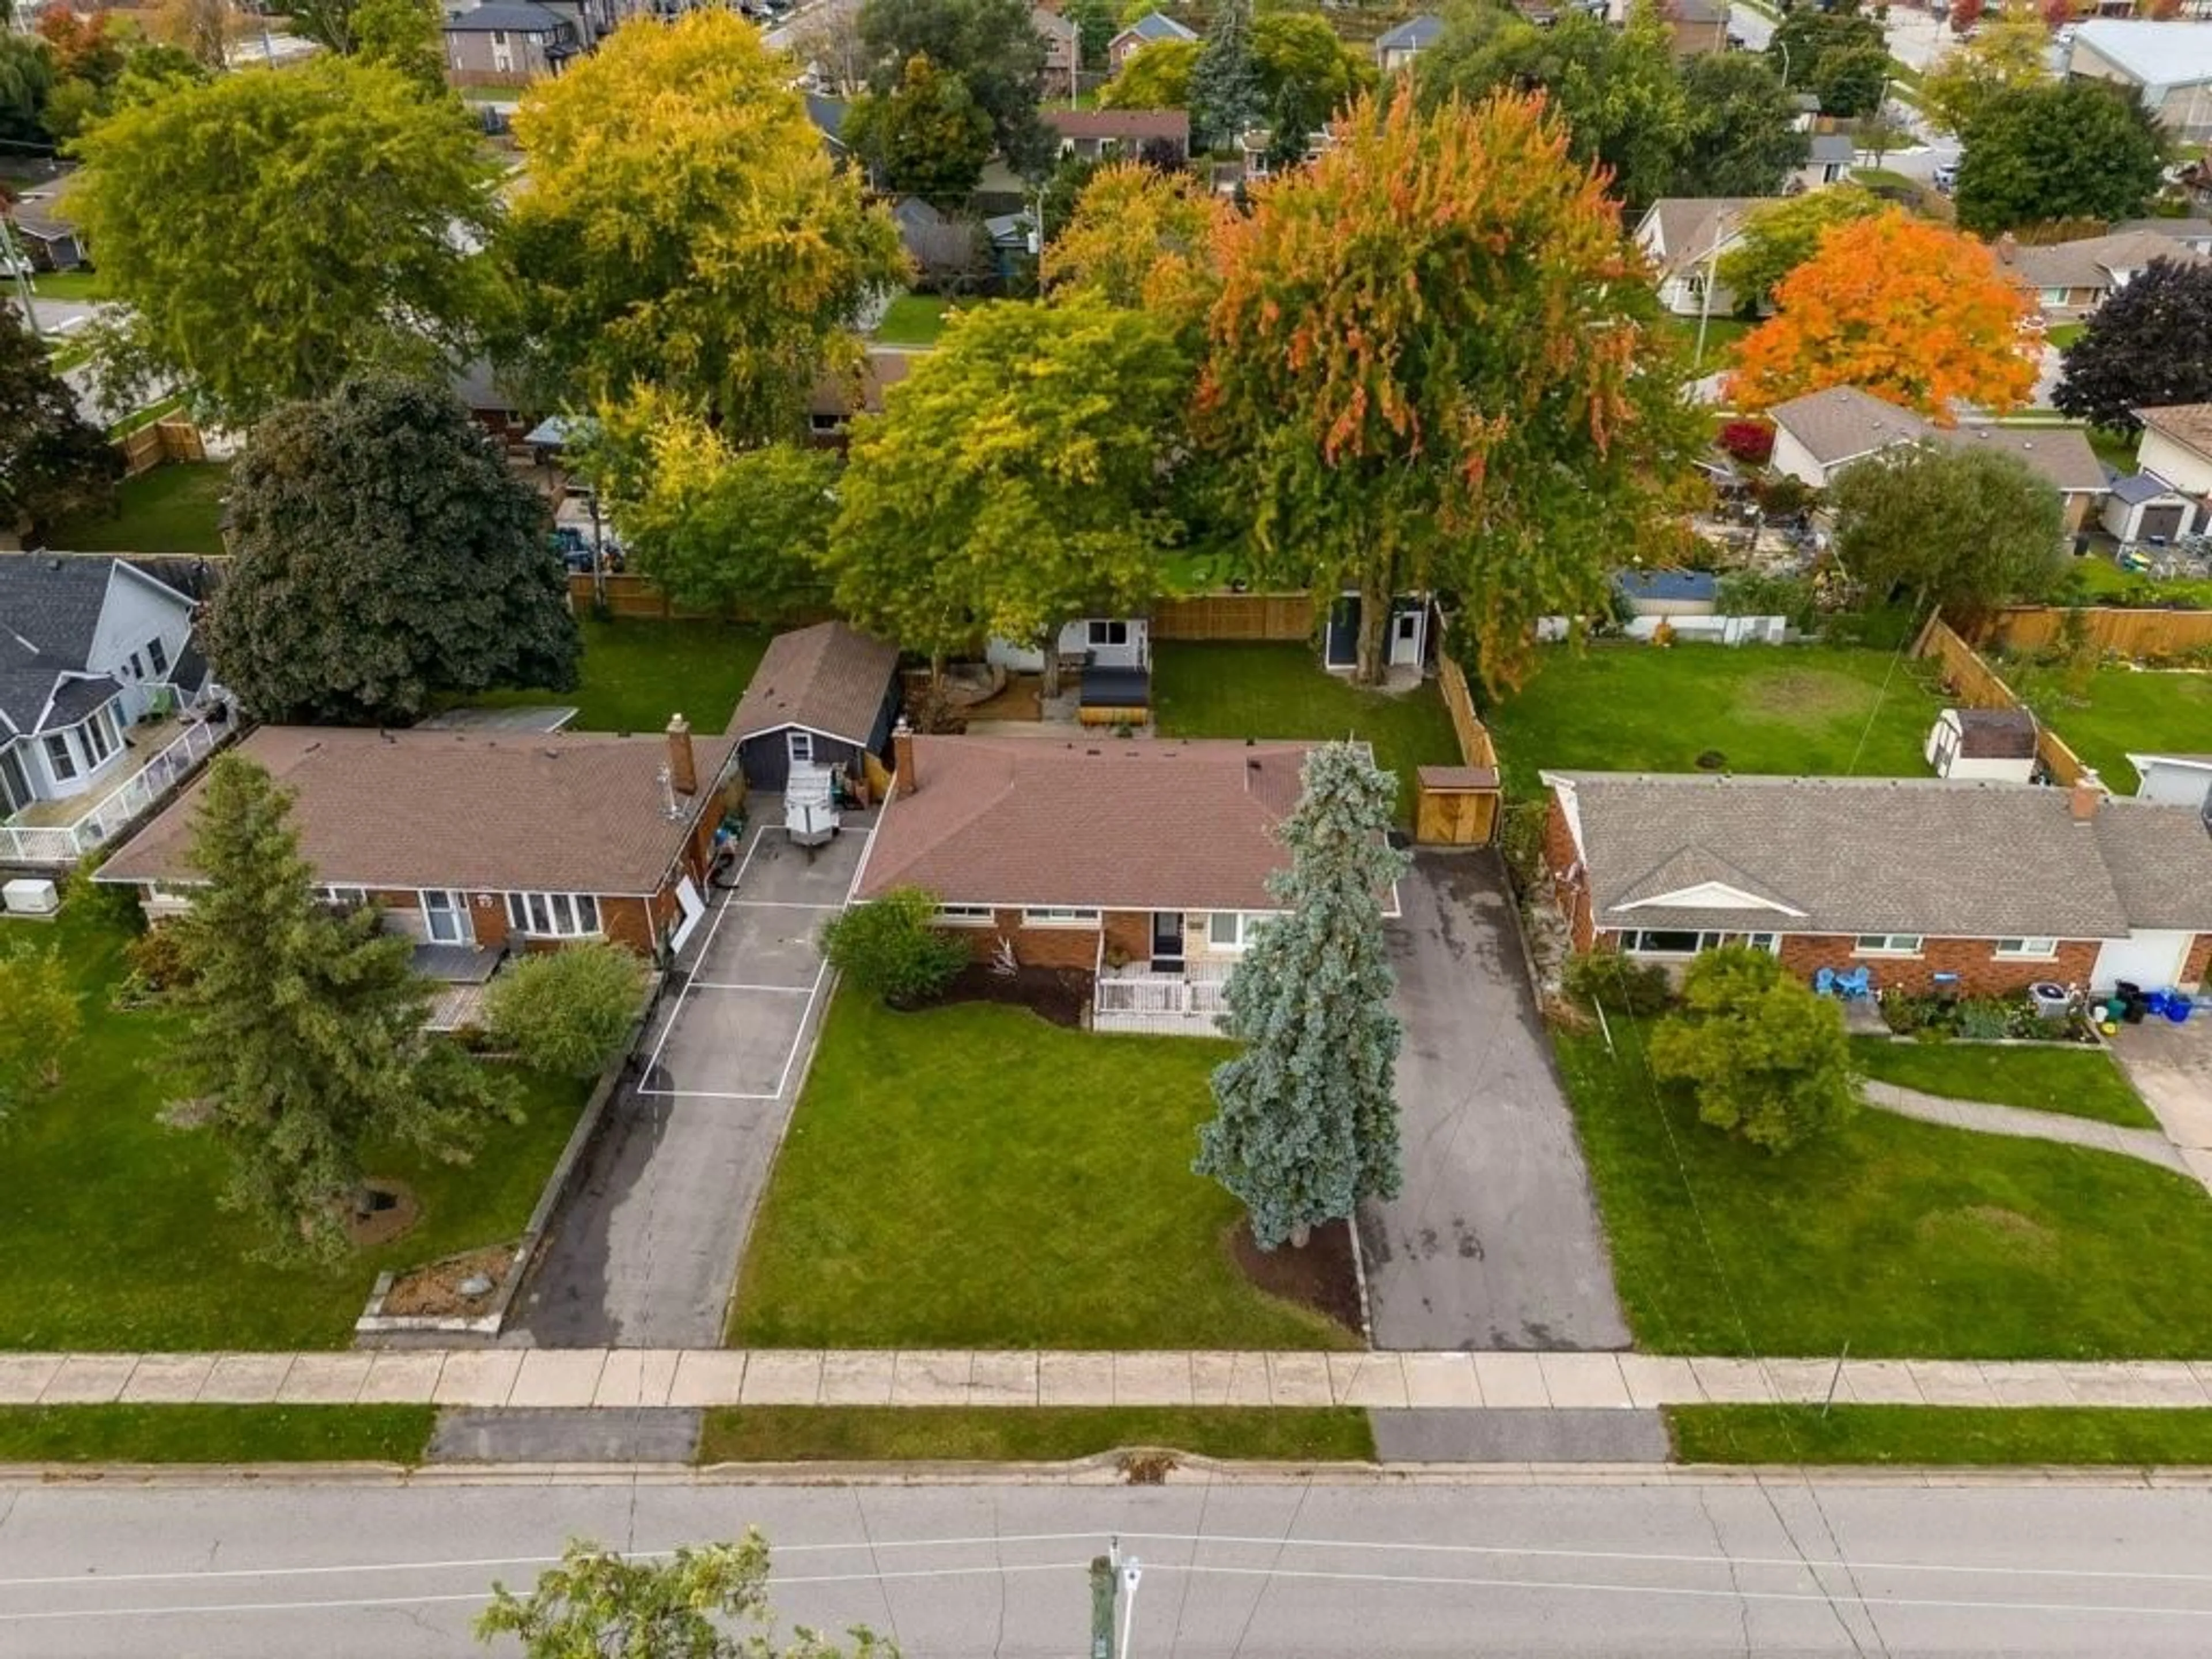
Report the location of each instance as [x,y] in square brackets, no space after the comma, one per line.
[683,769]
[2082,799]
[904,778]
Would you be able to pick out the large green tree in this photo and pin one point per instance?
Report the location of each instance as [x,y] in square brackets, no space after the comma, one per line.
[679,226]
[269,234]
[1428,371]
[1306,1119]
[1949,524]
[1742,137]
[1157,76]
[1307,74]
[1766,1058]
[1226,98]
[2147,346]
[302,1029]
[1841,57]
[990,45]
[27,82]
[1779,236]
[929,137]
[406,35]
[2010,52]
[1012,481]
[385,553]
[2074,150]
[53,460]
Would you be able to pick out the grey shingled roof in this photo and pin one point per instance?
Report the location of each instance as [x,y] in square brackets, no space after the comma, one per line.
[1843,421]
[828,678]
[1833,147]
[2060,454]
[1854,855]
[1688,226]
[49,608]
[513,16]
[1155,26]
[1415,34]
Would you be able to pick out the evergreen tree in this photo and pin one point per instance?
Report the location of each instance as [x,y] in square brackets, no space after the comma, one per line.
[304,1028]
[1307,1124]
[1226,95]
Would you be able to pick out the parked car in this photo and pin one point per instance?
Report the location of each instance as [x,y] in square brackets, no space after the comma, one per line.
[1947,178]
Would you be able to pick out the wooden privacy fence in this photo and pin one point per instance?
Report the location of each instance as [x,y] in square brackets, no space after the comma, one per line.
[1235,617]
[1457,806]
[640,597]
[1975,684]
[170,438]
[2130,632]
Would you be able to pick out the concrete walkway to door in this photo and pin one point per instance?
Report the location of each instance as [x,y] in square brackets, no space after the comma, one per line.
[646,1252]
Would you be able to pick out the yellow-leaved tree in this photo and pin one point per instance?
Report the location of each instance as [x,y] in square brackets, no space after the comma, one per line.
[679,225]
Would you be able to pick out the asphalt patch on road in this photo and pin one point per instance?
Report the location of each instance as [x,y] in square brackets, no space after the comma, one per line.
[646,1435]
[1506,1435]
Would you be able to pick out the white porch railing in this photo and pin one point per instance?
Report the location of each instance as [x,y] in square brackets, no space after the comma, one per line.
[1162,993]
[170,766]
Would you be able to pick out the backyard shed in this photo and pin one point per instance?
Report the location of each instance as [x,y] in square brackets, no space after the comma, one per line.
[825,696]
[2176,780]
[2145,508]
[1984,742]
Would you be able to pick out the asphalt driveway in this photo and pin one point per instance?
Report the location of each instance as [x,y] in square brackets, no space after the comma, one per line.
[1495,1240]
[646,1254]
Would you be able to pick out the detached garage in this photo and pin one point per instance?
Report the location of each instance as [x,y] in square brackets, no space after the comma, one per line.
[825,696]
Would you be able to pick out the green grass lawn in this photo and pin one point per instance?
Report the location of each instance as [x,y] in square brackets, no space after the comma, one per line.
[1795,708]
[974,1177]
[915,320]
[113,1236]
[170,509]
[215,1434]
[2124,709]
[2078,1082]
[1895,1237]
[866,1434]
[636,673]
[2062,335]
[1213,691]
[1721,335]
[1968,1435]
[2114,449]
[65,285]
[2094,580]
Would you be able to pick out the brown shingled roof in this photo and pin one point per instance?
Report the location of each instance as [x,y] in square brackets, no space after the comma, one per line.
[568,812]
[1143,825]
[1127,124]
[828,678]
[2185,423]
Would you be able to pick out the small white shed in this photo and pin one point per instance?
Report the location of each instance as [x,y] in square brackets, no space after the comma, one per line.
[1102,641]
[2178,780]
[1997,743]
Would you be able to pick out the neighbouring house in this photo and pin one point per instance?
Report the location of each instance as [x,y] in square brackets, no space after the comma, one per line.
[1817,435]
[945,248]
[824,696]
[43,236]
[1697,27]
[1828,159]
[1993,743]
[98,678]
[837,398]
[1147,31]
[2175,780]
[1979,887]
[2176,445]
[1682,235]
[1109,657]
[1395,49]
[476,843]
[2143,507]
[1406,638]
[507,43]
[1143,863]
[2073,279]
[1099,134]
[2167,66]
[1063,47]
[2195,234]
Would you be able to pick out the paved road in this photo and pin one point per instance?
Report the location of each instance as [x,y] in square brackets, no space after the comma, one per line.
[1495,1241]
[1283,1571]
[646,1255]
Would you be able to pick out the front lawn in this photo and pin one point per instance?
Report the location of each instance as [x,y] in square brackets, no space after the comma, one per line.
[114,1239]
[80,285]
[176,509]
[1930,1435]
[215,1434]
[1722,333]
[637,672]
[2124,709]
[1812,710]
[915,320]
[994,1434]
[1895,1237]
[1216,691]
[2078,1082]
[973,1177]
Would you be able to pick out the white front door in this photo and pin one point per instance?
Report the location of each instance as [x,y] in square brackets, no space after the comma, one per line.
[694,909]
[445,919]
[1406,639]
[800,744]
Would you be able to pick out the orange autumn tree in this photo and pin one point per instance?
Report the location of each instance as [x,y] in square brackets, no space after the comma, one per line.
[1435,362]
[1910,311]
[1142,240]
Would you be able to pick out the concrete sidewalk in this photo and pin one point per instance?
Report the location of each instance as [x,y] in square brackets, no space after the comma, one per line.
[615,1378]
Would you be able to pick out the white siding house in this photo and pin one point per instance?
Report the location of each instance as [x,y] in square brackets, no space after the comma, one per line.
[1104,641]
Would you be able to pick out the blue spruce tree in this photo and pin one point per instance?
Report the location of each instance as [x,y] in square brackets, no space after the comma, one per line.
[1226,94]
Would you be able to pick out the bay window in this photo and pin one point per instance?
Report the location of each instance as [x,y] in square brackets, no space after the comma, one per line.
[553,915]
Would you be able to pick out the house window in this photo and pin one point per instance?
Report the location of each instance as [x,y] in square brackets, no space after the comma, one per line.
[1233,930]
[2051,296]
[99,736]
[138,668]
[802,747]
[966,915]
[344,898]
[499,37]
[1770,943]
[1059,915]
[2032,949]
[825,426]
[1109,632]
[61,761]
[445,917]
[553,915]
[1666,942]
[1886,945]
[158,654]
[14,781]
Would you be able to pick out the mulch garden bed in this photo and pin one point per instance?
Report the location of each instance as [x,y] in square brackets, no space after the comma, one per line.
[435,1291]
[1061,995]
[1322,1276]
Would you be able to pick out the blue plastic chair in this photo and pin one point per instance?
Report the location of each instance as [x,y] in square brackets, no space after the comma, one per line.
[1859,982]
[1824,983]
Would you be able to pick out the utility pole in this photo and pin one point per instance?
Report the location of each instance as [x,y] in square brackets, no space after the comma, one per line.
[1705,299]
[19,268]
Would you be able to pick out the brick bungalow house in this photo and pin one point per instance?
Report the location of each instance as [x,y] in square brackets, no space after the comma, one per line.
[1994,885]
[479,842]
[1143,863]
